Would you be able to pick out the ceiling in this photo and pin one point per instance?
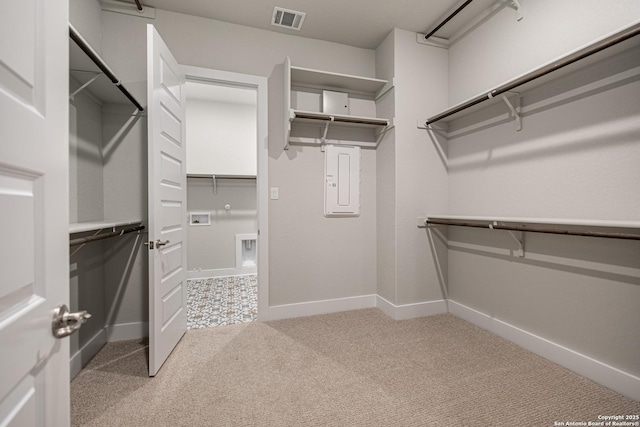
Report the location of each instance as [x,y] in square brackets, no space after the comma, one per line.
[360,23]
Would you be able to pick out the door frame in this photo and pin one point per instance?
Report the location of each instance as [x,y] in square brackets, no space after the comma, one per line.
[260,84]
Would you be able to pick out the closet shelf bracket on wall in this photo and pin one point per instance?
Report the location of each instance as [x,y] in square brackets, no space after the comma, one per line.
[72,96]
[515,110]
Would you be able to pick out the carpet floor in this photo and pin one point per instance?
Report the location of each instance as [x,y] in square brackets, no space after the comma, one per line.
[357,368]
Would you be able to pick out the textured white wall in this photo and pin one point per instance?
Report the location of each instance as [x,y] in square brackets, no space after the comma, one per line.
[386,179]
[86,204]
[85,16]
[421,173]
[311,257]
[576,157]
[214,246]
[125,197]
[503,48]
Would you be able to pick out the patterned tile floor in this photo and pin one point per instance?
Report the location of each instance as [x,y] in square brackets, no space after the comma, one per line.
[221,301]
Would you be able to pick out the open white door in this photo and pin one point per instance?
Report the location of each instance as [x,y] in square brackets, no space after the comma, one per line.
[34,212]
[167,201]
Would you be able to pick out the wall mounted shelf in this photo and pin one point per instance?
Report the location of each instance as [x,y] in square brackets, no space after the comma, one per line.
[628,230]
[83,227]
[600,49]
[100,228]
[318,128]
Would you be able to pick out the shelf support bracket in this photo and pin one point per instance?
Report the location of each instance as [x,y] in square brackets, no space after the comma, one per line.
[515,110]
[382,133]
[72,97]
[519,240]
[515,4]
[324,133]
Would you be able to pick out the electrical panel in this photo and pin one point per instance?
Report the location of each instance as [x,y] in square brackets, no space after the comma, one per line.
[342,181]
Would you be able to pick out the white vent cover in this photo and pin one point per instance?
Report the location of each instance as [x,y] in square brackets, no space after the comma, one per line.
[287,18]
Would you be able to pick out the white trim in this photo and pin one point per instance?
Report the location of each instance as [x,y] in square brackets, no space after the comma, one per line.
[396,312]
[239,239]
[410,311]
[260,83]
[127,331]
[220,272]
[608,376]
[81,357]
[312,308]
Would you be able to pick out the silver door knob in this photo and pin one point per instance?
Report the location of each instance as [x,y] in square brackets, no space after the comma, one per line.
[65,323]
[160,243]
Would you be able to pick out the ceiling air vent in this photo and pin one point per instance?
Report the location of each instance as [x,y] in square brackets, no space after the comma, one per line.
[287,18]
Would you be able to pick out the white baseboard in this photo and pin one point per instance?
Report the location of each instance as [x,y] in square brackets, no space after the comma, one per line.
[220,272]
[396,312]
[81,357]
[410,311]
[312,308]
[127,331]
[608,376]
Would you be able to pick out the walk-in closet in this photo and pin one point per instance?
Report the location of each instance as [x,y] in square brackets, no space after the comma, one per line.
[108,204]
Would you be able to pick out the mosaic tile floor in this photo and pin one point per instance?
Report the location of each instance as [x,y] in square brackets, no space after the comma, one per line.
[221,301]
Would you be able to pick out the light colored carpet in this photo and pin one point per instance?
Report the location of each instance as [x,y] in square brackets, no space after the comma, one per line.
[357,368]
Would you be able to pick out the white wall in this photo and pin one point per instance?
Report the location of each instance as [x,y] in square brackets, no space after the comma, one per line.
[85,16]
[125,197]
[311,257]
[577,157]
[421,73]
[503,48]
[386,180]
[107,174]
[412,176]
[221,138]
[86,195]
[214,246]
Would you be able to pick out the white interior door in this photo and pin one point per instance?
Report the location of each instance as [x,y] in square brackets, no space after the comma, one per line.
[167,201]
[34,211]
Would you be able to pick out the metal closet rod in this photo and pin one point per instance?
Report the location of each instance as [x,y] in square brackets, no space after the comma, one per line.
[101,236]
[570,59]
[447,19]
[88,50]
[492,226]
[138,5]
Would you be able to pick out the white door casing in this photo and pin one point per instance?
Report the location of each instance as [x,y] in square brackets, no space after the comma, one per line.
[260,84]
[34,212]
[167,201]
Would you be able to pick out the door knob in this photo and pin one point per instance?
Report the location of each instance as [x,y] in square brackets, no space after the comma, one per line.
[160,243]
[65,323]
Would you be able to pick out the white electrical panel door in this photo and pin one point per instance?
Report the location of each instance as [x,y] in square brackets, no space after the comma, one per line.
[342,181]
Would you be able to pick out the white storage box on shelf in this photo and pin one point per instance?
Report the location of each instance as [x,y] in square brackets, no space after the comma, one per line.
[346,115]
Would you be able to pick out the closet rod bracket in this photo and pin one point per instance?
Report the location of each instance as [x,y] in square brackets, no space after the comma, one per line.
[518,239]
[516,109]
[323,141]
[72,96]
